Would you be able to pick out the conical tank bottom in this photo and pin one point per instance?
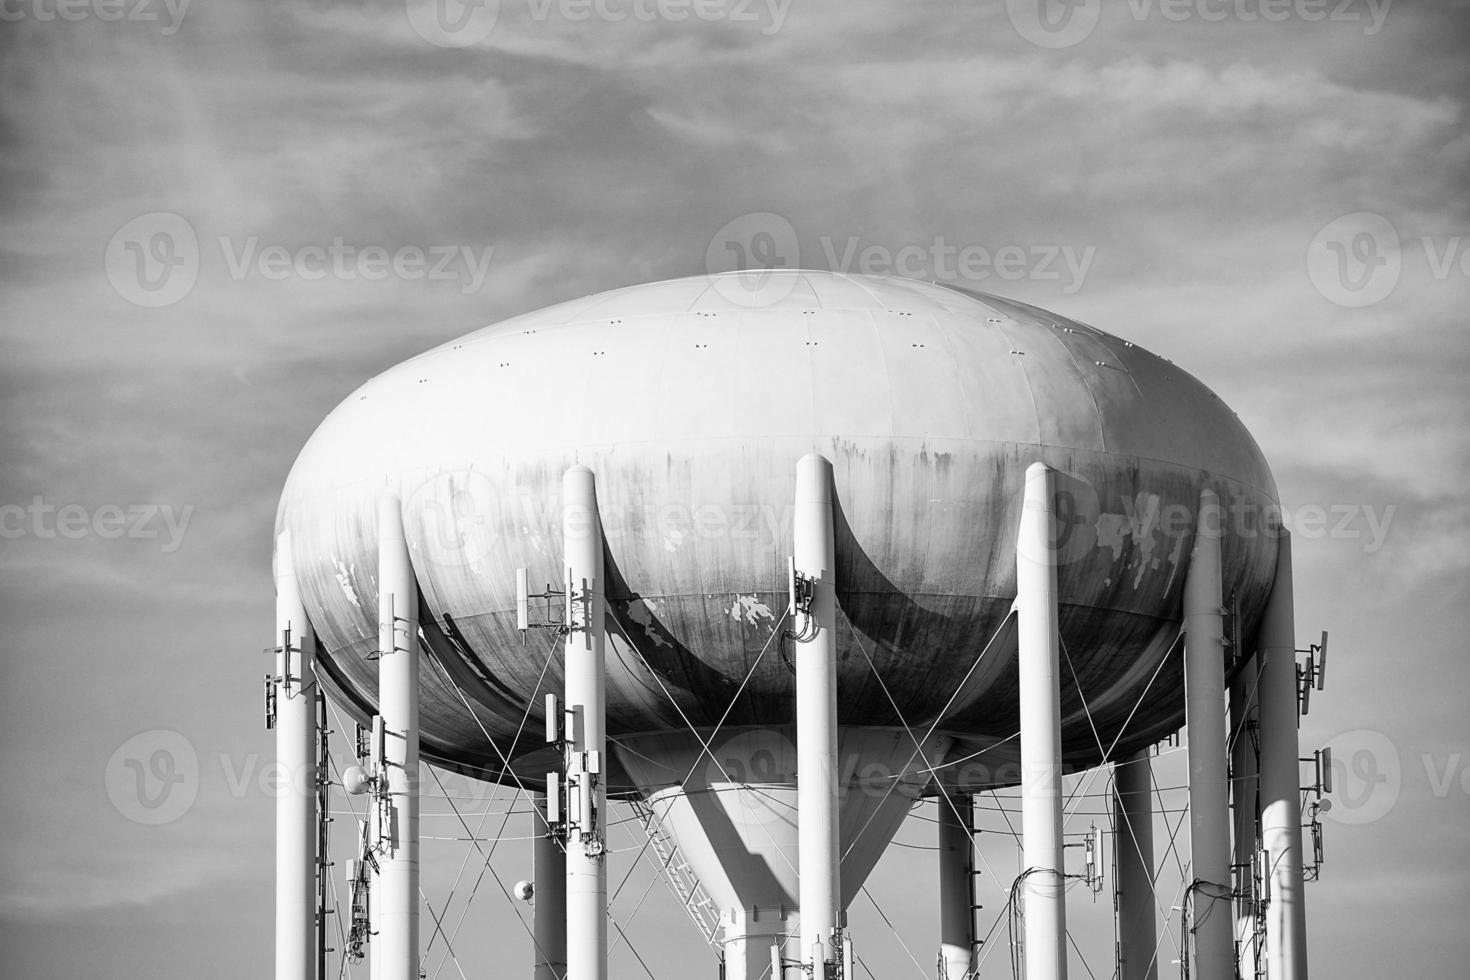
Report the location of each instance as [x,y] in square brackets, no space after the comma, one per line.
[732,814]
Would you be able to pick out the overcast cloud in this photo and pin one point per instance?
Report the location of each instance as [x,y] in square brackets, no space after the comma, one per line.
[1226,193]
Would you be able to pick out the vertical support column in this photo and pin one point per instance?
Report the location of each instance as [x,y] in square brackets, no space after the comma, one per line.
[1041,738]
[1281,832]
[956,886]
[586,879]
[1211,915]
[395,903]
[1243,779]
[816,719]
[1133,843]
[549,868]
[296,807]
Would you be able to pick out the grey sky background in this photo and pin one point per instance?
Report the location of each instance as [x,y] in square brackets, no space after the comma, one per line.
[1233,192]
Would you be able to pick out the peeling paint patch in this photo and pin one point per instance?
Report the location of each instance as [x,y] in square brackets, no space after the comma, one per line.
[344,575]
[641,612]
[1139,521]
[751,609]
[1111,530]
[673,539]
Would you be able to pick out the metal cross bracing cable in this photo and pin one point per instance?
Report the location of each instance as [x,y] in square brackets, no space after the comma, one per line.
[1184,878]
[341,730]
[930,769]
[486,855]
[1079,792]
[507,769]
[1078,949]
[1082,696]
[1178,642]
[505,763]
[1251,701]
[336,899]
[633,950]
[1106,754]
[641,898]
[439,930]
[918,743]
[987,948]
[360,821]
[1173,834]
[1133,835]
[704,744]
[474,840]
[520,729]
[891,928]
[525,716]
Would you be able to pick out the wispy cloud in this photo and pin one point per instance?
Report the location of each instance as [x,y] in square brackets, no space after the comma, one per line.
[1199,160]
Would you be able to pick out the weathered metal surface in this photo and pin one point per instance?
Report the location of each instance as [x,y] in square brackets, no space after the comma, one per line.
[929,402]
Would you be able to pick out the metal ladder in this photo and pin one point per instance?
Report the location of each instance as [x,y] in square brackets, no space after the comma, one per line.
[679,875]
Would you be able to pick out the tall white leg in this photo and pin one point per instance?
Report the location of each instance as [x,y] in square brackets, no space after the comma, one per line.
[296,810]
[1209,809]
[1133,831]
[550,872]
[1041,739]
[1243,778]
[1281,833]
[956,886]
[586,894]
[816,718]
[395,896]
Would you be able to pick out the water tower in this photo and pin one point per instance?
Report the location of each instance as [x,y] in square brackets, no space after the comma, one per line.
[769,556]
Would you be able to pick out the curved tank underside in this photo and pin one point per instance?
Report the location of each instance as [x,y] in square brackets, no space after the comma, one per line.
[692,408]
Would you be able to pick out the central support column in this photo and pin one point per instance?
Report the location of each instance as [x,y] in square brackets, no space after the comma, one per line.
[395,897]
[296,808]
[1244,716]
[549,868]
[1211,915]
[1281,832]
[1133,845]
[586,743]
[956,886]
[816,719]
[1042,891]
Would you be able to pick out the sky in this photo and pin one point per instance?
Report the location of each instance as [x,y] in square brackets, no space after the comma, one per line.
[217,218]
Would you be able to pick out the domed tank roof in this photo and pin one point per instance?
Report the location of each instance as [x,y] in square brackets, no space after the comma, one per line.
[1010,373]
[691,400]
